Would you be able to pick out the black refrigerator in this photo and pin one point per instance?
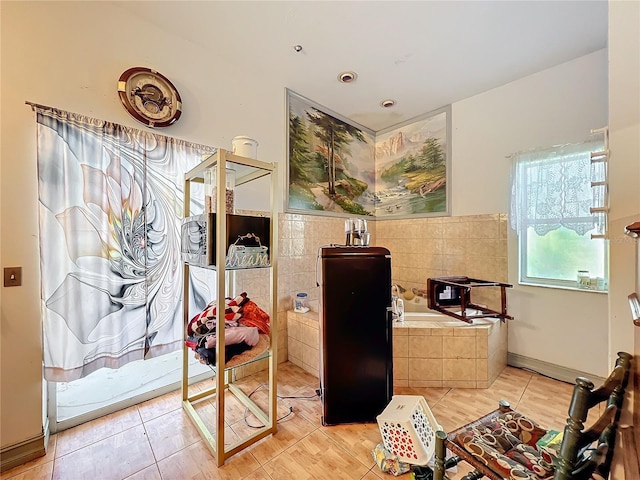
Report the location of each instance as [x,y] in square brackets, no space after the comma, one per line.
[356,363]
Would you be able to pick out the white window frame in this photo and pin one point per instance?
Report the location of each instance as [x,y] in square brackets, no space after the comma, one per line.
[525,279]
[523,250]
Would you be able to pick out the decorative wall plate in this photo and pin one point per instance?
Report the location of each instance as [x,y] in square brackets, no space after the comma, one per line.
[149,97]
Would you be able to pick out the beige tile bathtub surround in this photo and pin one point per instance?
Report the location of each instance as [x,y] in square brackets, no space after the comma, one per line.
[424,355]
[461,353]
[304,341]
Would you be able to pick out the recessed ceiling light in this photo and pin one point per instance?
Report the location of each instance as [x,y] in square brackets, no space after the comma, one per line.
[347,77]
[387,103]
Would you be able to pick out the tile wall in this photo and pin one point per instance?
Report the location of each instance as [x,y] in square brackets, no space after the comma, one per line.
[474,246]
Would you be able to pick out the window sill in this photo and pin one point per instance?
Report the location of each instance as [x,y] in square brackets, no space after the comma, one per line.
[562,287]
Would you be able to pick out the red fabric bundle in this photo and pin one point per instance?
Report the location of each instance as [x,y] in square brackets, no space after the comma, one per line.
[254,316]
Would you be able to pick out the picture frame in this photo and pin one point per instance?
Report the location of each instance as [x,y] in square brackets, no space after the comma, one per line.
[337,167]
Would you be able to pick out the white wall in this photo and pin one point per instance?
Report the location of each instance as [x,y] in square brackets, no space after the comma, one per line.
[70,55]
[624,170]
[552,107]
[555,106]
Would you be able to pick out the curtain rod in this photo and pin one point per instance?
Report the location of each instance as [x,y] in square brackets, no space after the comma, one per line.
[589,140]
[205,148]
[35,105]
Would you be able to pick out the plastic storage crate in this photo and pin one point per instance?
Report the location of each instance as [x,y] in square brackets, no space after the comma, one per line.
[408,429]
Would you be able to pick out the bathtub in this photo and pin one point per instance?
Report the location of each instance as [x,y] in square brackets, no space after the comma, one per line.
[440,320]
[430,349]
[416,310]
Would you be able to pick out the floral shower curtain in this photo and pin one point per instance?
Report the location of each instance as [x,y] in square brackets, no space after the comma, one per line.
[110,204]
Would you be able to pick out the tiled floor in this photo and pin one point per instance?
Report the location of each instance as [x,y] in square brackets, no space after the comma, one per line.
[155,440]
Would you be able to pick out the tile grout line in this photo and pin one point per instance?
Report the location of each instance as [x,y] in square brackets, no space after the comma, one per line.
[146,436]
[283,451]
[101,439]
[320,429]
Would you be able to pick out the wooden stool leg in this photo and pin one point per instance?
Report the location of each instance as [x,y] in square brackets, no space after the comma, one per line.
[441,451]
[441,462]
[575,424]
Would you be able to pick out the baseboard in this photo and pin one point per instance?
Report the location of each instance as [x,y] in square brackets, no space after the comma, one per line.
[23,452]
[557,372]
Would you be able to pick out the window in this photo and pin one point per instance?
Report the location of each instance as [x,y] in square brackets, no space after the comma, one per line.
[550,210]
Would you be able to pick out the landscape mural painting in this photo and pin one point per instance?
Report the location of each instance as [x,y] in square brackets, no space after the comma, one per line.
[331,160]
[411,168]
[339,167]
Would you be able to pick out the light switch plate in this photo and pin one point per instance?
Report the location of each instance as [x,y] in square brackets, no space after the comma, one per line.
[12,276]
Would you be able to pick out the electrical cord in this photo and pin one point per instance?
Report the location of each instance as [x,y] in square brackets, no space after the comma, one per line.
[301,398]
[246,409]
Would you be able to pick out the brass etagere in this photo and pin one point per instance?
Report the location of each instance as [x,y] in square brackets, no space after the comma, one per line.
[247,170]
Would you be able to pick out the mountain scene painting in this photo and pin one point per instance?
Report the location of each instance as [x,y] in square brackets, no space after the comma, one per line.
[411,169]
[336,166]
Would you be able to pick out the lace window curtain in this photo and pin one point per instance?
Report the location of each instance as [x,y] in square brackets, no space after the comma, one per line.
[552,188]
[110,206]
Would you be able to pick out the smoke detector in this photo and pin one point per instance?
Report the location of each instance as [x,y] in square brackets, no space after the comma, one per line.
[347,77]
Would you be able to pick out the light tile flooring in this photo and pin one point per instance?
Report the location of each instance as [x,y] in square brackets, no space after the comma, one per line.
[155,440]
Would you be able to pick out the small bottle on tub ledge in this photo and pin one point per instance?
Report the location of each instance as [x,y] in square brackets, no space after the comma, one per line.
[397,304]
[301,303]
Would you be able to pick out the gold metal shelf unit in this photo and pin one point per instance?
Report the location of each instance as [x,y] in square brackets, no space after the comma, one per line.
[247,170]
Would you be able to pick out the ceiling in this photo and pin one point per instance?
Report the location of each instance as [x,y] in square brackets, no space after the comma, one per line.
[422,54]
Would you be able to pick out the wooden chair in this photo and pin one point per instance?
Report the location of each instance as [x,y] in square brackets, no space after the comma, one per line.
[502,444]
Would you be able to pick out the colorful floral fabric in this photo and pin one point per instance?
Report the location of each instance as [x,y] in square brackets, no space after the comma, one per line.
[205,321]
[532,459]
[525,429]
[245,326]
[505,443]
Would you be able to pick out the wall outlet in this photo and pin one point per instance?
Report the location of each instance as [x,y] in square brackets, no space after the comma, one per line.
[12,276]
